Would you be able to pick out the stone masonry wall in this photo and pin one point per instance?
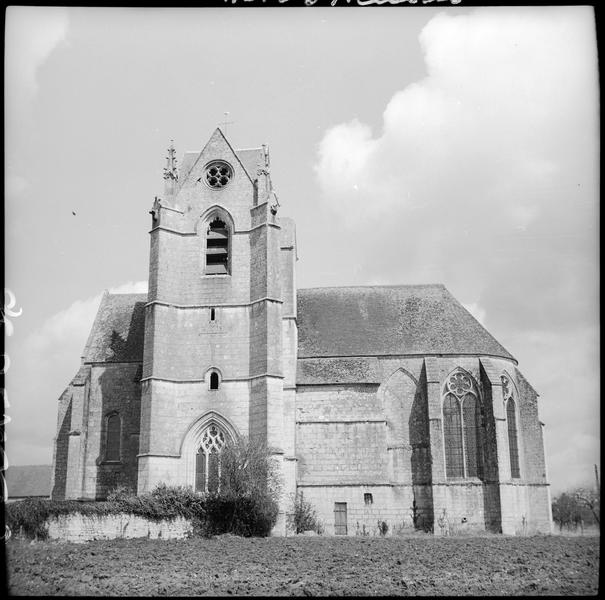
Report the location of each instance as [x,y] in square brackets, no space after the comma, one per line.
[114,389]
[356,437]
[392,505]
[81,528]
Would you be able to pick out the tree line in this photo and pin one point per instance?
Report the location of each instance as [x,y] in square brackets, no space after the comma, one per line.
[577,508]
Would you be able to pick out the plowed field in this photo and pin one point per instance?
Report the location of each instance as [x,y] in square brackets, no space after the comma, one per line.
[490,565]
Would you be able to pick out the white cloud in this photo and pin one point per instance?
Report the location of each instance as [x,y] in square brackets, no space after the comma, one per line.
[483,178]
[32,33]
[132,287]
[53,353]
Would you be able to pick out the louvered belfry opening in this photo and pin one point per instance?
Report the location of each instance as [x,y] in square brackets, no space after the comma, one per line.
[217,248]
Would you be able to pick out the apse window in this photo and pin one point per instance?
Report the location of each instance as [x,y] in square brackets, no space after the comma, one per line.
[218,174]
[367,499]
[217,248]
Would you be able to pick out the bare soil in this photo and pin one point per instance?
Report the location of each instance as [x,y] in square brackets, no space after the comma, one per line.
[229,565]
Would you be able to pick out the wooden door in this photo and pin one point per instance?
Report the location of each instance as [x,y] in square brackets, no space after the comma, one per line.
[340,518]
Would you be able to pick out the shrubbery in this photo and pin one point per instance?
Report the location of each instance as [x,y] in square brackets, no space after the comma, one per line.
[28,517]
[245,503]
[304,517]
[247,500]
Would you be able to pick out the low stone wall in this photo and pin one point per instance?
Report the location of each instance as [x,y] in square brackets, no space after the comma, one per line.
[84,528]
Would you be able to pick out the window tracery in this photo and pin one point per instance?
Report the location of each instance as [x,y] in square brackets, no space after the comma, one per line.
[208,468]
[218,174]
[511,421]
[462,427]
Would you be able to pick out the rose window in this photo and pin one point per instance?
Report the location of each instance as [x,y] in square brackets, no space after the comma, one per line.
[459,384]
[218,174]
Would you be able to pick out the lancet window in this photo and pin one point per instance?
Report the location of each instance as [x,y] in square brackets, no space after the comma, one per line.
[113,437]
[208,466]
[462,427]
[511,421]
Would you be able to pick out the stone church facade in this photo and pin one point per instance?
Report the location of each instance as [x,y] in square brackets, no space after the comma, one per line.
[381,403]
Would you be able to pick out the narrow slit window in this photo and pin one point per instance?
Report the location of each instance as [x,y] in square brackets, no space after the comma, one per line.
[112,440]
[217,248]
[214,381]
[212,314]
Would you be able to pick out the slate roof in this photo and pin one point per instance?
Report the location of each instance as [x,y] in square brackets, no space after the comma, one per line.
[388,320]
[318,371]
[28,481]
[118,331]
[251,159]
[332,322]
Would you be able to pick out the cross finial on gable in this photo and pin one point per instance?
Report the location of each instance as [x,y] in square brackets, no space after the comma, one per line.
[226,122]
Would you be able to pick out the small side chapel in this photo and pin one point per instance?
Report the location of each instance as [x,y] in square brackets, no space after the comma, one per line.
[381,403]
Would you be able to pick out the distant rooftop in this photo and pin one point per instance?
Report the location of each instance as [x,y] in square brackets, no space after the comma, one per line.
[28,481]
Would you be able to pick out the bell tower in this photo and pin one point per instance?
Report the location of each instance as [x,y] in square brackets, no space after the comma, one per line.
[220,323]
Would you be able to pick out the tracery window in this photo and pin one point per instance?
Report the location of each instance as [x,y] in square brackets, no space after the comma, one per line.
[218,174]
[511,420]
[207,464]
[217,248]
[113,437]
[462,427]
[452,432]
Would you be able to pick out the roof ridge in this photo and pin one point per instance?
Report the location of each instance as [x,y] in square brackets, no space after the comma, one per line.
[378,285]
[127,293]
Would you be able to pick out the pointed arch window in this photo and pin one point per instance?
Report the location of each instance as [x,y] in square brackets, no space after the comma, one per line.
[207,462]
[217,248]
[462,427]
[113,435]
[452,432]
[511,421]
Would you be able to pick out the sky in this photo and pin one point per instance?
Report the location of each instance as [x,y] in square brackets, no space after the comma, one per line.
[410,145]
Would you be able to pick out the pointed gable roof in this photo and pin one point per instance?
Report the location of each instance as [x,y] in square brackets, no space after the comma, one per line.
[389,320]
[118,330]
[190,162]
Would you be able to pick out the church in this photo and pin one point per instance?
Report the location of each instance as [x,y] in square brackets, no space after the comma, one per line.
[381,404]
